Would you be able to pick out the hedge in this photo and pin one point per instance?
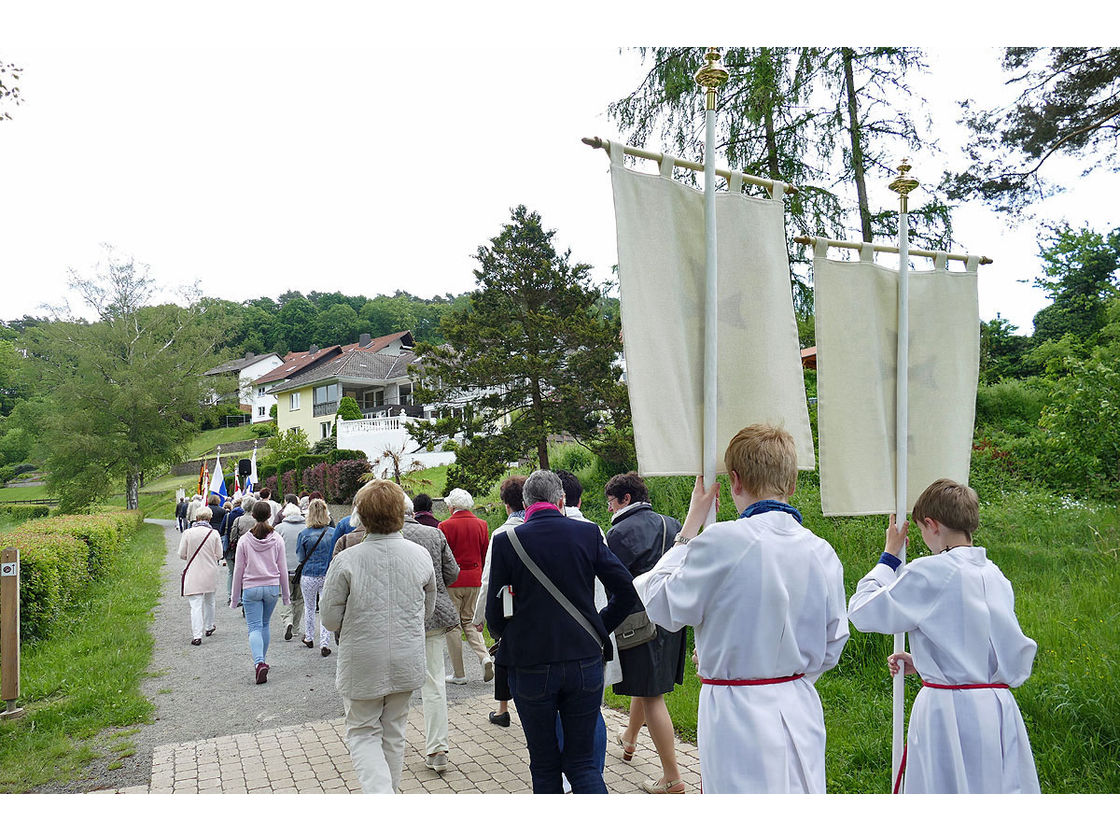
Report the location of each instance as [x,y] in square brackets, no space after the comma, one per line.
[305,461]
[345,455]
[58,556]
[21,513]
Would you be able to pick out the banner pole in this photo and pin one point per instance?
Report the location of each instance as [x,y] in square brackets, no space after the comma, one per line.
[712,76]
[902,185]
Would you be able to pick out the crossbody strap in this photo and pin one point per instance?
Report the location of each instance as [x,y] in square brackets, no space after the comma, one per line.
[551,587]
[664,532]
[299,566]
[183,579]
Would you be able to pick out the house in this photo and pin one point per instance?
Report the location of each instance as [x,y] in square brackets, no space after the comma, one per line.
[248,370]
[374,371]
[292,365]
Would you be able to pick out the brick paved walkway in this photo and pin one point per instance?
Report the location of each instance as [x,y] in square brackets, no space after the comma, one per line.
[313,758]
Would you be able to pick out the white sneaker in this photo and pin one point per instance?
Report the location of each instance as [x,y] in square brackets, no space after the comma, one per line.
[437,762]
[487,670]
[451,678]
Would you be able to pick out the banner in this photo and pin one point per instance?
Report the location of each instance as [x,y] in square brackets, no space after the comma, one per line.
[856,330]
[661,244]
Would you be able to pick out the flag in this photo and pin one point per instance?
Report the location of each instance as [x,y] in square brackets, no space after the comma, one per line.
[218,482]
[236,484]
[202,477]
[251,482]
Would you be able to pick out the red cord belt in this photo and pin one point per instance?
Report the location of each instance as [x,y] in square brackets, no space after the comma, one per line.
[773,681]
[902,764]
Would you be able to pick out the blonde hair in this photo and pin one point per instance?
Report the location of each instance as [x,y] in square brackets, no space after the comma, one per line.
[954,505]
[765,459]
[318,516]
[380,507]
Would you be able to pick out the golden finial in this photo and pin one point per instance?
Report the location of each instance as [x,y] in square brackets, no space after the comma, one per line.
[712,76]
[903,184]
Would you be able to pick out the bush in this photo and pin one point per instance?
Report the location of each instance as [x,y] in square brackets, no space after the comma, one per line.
[347,480]
[266,472]
[348,409]
[346,455]
[213,417]
[285,466]
[305,461]
[102,536]
[288,483]
[25,468]
[7,474]
[264,430]
[21,513]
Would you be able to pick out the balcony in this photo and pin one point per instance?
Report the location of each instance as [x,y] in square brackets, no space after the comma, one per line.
[373,412]
[319,409]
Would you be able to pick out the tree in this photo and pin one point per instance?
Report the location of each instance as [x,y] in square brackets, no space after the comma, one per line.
[1002,352]
[289,444]
[1080,276]
[803,116]
[9,90]
[119,396]
[1067,104]
[531,357]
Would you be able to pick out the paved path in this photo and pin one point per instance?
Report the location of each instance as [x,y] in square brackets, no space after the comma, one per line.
[218,732]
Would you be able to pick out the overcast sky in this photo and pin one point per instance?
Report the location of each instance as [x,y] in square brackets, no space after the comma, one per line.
[252,154]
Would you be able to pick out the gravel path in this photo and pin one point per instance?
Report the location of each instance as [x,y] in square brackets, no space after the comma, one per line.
[209,690]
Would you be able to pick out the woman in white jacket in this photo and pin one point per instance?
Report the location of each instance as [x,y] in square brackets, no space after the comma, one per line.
[377,596]
[200,548]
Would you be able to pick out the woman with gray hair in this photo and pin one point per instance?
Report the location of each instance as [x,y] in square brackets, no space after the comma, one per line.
[468,537]
[377,597]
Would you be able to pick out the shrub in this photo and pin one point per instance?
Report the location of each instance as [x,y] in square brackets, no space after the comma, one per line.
[285,466]
[272,484]
[102,535]
[264,430]
[348,409]
[53,567]
[266,472]
[7,474]
[24,468]
[305,461]
[287,483]
[347,480]
[315,478]
[346,455]
[21,513]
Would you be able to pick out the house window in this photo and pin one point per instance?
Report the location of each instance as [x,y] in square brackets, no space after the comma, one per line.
[260,391]
[325,430]
[260,411]
[293,401]
[405,393]
[327,393]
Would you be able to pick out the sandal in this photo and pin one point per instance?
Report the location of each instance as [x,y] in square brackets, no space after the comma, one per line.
[628,747]
[663,786]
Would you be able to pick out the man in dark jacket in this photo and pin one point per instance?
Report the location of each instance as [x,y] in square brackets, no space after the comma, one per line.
[181,514]
[555,662]
[218,512]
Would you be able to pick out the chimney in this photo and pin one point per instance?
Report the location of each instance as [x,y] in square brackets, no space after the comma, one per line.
[363,340]
[313,349]
[249,355]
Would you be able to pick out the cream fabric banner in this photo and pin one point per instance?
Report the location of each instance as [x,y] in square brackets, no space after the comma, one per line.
[857,333]
[661,244]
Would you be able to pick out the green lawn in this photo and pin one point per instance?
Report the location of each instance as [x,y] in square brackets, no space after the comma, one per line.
[23,494]
[79,686]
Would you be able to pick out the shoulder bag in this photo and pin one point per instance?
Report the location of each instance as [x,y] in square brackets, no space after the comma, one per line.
[547,583]
[636,629]
[297,575]
[183,577]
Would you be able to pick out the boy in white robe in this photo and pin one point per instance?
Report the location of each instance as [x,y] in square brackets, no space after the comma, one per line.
[766,599]
[966,734]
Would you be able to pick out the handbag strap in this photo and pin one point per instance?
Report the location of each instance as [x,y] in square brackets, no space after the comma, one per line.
[183,579]
[551,587]
[664,533]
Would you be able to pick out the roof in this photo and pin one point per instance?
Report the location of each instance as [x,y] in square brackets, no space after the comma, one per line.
[296,362]
[238,364]
[358,365]
[381,342]
[809,358]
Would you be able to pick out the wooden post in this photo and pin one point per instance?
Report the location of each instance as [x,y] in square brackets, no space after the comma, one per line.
[9,633]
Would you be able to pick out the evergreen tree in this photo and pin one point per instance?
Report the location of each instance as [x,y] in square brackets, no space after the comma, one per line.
[1080,276]
[534,343]
[1068,104]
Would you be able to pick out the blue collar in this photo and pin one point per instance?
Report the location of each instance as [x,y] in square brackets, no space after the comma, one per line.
[767,505]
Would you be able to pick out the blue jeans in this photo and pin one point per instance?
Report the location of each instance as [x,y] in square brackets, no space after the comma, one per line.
[259,602]
[574,689]
[600,743]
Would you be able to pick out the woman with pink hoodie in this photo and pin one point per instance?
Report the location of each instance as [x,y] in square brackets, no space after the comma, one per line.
[260,578]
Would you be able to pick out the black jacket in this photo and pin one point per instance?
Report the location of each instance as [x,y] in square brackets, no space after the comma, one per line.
[636,538]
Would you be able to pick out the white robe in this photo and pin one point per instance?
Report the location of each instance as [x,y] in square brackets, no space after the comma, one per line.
[766,599]
[960,613]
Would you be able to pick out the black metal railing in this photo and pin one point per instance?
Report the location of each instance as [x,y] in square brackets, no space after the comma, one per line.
[319,409]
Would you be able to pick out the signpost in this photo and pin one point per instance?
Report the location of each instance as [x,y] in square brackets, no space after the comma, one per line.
[9,633]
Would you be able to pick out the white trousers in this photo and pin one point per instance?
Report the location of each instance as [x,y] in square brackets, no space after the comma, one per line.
[202,613]
[311,587]
[434,695]
[375,734]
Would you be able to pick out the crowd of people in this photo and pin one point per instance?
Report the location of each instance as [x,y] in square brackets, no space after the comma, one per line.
[572,609]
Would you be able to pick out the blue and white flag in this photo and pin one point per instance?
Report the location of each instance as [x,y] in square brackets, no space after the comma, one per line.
[251,483]
[218,481]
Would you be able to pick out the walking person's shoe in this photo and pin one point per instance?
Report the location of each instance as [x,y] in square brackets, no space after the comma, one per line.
[436,761]
[308,643]
[628,747]
[663,786]
[325,651]
[288,632]
[210,632]
[499,719]
[487,669]
[262,672]
[451,678]
[196,642]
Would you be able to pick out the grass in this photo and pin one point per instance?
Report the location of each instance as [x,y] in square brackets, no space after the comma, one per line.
[79,684]
[23,494]
[205,442]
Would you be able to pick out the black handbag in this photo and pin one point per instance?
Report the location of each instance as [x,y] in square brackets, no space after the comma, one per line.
[636,629]
[297,575]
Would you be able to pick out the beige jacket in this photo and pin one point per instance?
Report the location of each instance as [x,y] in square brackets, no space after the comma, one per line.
[377,596]
[202,576]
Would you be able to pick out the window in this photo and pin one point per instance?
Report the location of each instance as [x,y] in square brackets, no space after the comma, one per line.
[260,391]
[325,430]
[261,411]
[405,393]
[327,393]
[293,401]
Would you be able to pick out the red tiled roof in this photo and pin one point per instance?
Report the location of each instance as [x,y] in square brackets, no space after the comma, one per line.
[379,343]
[296,362]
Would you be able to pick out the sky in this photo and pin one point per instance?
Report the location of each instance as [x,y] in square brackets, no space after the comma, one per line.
[249,154]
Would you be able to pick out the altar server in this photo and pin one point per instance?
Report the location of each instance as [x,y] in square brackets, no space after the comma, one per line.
[766,599]
[966,734]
